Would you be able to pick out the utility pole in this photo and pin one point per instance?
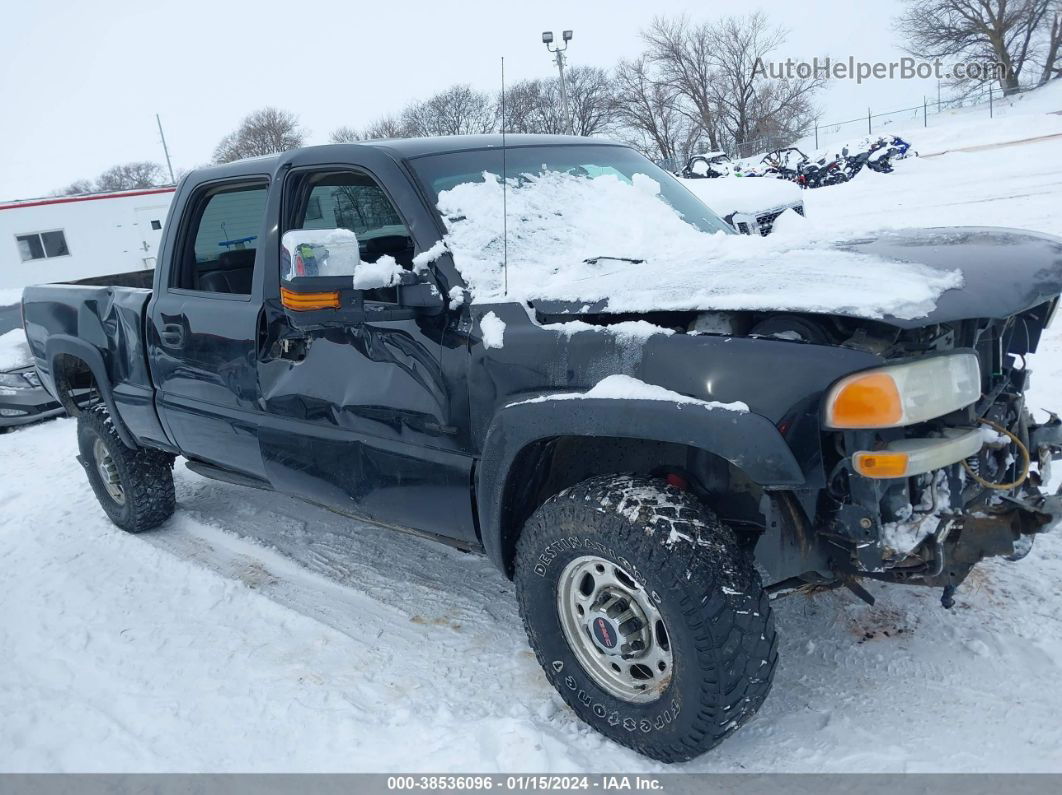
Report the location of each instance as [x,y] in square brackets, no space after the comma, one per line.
[165,149]
[547,39]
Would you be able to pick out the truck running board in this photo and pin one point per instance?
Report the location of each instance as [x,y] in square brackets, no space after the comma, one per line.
[217,473]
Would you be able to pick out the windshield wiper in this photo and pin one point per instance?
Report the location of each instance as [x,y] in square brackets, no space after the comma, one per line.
[595,260]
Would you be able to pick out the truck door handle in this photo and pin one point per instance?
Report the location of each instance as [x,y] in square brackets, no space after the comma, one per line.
[172,335]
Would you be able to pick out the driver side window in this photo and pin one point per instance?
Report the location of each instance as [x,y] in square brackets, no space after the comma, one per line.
[353,200]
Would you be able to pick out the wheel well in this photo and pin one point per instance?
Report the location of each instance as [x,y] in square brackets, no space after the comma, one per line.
[70,373]
[548,466]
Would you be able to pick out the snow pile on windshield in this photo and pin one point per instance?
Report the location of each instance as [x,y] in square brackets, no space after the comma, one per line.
[566,232]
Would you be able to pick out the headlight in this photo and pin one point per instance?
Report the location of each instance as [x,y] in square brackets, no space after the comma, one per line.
[904,394]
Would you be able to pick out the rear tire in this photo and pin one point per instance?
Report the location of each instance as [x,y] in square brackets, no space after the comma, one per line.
[134,486]
[646,553]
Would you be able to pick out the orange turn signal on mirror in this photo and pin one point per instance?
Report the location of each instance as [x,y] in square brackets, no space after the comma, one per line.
[880,465]
[865,401]
[303,301]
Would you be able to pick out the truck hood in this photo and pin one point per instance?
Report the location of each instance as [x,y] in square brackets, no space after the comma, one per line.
[1003,272]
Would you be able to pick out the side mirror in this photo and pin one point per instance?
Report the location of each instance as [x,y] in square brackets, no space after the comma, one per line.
[421,295]
[317,268]
[331,253]
[322,278]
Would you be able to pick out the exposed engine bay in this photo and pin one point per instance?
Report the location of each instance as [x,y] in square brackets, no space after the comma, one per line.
[934,526]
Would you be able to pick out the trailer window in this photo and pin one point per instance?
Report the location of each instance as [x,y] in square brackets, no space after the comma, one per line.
[42,245]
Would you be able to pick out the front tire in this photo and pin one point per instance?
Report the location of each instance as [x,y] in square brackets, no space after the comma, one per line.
[646,615]
[134,486]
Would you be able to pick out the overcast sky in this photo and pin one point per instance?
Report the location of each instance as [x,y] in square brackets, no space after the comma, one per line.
[81,82]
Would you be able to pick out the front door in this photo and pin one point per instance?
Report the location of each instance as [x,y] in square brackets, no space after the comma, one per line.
[203,328]
[358,417]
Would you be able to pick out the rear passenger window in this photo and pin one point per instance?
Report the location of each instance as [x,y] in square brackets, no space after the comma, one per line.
[219,251]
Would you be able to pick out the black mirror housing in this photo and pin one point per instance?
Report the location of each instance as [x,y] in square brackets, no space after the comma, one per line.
[421,295]
[317,301]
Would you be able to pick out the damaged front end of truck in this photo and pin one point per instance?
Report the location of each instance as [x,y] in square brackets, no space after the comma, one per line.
[934,461]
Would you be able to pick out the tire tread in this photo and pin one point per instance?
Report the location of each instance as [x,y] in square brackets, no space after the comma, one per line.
[706,573]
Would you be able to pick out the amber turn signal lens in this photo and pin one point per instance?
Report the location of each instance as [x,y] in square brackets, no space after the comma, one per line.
[880,465]
[866,401]
[301,302]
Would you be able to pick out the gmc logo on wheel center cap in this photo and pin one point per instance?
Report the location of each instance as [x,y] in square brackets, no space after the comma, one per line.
[604,633]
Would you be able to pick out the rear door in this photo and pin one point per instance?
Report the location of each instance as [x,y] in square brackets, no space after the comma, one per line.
[203,327]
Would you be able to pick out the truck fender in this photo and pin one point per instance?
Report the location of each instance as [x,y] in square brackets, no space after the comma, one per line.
[79,349]
[748,441]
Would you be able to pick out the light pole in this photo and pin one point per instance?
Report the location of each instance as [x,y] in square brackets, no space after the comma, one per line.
[547,39]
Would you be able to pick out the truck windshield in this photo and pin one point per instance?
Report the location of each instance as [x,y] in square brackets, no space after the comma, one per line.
[441,172]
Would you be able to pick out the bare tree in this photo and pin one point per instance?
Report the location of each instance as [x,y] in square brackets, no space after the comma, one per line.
[75,188]
[124,176]
[385,127]
[682,52]
[648,116]
[710,68]
[986,31]
[459,110]
[264,132]
[748,105]
[129,176]
[589,98]
[1052,63]
[345,135]
[535,106]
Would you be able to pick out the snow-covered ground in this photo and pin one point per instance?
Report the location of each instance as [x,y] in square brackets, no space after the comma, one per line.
[253,632]
[1024,116]
[14,352]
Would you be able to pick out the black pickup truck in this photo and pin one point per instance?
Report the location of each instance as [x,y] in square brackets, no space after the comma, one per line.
[309,331]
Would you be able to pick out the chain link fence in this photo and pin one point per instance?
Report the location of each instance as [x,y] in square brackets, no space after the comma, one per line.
[871,123]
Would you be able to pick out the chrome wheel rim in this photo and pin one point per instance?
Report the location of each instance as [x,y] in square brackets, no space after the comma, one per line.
[108,472]
[614,629]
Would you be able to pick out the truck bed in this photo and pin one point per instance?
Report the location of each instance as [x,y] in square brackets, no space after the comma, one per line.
[103,326]
[141,278]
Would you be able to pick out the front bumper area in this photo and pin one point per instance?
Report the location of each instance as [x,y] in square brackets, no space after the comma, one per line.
[908,457]
[935,522]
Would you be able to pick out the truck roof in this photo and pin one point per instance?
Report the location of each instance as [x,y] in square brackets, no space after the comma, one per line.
[408,148]
[417,147]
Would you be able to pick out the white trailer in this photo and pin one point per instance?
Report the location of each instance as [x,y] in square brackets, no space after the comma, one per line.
[73,237]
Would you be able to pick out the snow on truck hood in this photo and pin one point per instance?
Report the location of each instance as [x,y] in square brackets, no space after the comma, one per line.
[563,230]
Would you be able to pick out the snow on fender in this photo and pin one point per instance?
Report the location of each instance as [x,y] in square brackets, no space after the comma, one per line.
[493,330]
